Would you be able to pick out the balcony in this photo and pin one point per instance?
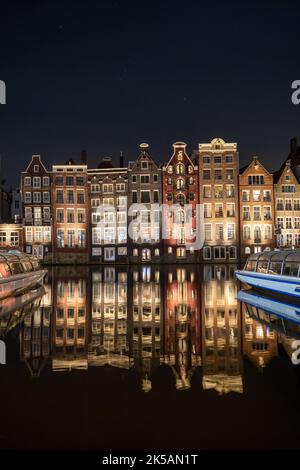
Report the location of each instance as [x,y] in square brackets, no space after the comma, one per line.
[257,240]
[219,214]
[219,195]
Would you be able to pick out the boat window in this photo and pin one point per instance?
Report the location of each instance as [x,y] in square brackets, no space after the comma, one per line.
[275,267]
[27,266]
[4,270]
[290,268]
[35,263]
[262,265]
[291,264]
[15,267]
[250,265]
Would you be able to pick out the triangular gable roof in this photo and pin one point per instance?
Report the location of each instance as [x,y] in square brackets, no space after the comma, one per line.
[279,174]
[36,157]
[144,155]
[179,144]
[254,161]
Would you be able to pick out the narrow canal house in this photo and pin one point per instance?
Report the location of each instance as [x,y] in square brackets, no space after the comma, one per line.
[70,212]
[256,208]
[108,186]
[144,185]
[287,199]
[180,199]
[218,191]
[36,203]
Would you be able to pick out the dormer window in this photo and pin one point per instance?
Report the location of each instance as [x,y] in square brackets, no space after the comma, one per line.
[144,165]
[36,168]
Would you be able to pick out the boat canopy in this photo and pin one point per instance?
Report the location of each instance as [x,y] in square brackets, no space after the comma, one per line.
[12,264]
[284,262]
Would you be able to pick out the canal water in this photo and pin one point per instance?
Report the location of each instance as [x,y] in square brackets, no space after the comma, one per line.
[147,357]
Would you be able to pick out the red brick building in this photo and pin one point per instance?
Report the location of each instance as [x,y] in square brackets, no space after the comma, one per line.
[180,199]
[70,213]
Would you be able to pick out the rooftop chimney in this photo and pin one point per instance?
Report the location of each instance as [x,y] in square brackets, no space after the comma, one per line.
[83,157]
[121,159]
[293,146]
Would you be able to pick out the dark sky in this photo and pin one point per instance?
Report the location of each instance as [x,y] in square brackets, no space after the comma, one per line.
[106,75]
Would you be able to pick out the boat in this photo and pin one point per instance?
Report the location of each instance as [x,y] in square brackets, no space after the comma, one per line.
[269,309]
[19,272]
[14,304]
[273,271]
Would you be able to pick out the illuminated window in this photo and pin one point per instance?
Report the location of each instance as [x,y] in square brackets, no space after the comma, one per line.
[14,238]
[180,183]
[96,236]
[70,216]
[71,238]
[81,238]
[180,252]
[36,198]
[81,216]
[180,169]
[28,198]
[36,182]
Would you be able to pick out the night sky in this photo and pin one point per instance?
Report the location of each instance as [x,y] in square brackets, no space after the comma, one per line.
[106,75]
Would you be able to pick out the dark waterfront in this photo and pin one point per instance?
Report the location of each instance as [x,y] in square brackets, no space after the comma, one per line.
[146,358]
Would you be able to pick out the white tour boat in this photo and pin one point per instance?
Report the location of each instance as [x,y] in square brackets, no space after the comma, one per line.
[273,271]
[19,272]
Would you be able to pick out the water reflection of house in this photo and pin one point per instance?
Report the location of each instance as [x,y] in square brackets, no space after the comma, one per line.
[221,331]
[259,340]
[35,334]
[108,342]
[70,319]
[146,322]
[182,324]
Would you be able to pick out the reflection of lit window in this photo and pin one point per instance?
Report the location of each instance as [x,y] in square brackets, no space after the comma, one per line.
[259,331]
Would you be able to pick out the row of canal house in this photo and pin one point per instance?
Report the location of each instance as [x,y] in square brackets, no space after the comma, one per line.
[77,214]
